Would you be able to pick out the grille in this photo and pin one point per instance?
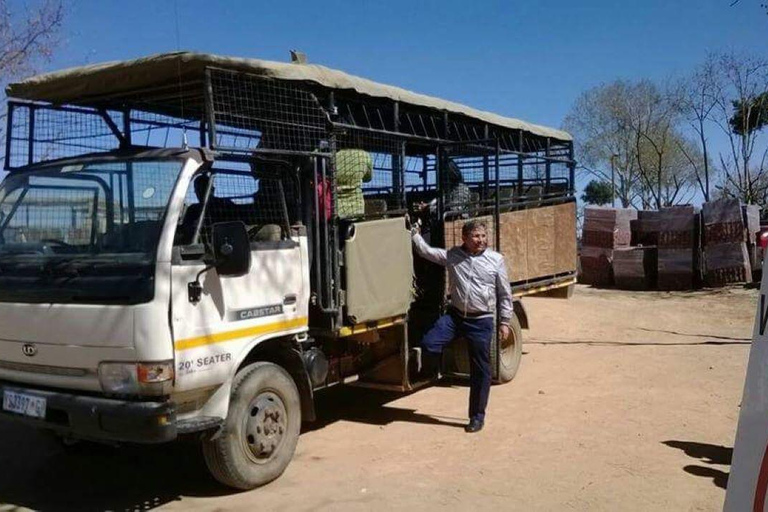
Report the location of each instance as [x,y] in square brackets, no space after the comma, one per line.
[44,369]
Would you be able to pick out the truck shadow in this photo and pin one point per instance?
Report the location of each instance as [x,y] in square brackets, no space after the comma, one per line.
[37,472]
[709,454]
[359,405]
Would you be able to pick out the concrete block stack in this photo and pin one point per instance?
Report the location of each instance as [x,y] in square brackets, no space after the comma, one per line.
[676,246]
[726,258]
[605,230]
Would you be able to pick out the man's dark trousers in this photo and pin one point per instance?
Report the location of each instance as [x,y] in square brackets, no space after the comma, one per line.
[478,332]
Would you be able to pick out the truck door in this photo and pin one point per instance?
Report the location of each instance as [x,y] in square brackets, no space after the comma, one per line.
[233,313]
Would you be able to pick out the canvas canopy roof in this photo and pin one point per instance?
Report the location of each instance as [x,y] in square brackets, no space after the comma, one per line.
[88,85]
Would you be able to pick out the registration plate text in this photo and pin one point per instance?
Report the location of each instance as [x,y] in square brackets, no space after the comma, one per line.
[21,403]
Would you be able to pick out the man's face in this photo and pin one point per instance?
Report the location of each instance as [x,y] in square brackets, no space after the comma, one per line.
[476,241]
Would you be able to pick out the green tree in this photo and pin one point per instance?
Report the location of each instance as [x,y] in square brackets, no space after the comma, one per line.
[739,115]
[750,115]
[597,192]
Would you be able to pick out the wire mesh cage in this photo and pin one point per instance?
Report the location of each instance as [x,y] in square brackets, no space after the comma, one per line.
[258,201]
[368,174]
[250,113]
[39,133]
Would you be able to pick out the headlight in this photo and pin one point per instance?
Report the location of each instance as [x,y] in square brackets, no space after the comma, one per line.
[136,378]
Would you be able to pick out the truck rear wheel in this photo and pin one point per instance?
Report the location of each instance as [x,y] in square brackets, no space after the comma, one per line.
[259,436]
[511,352]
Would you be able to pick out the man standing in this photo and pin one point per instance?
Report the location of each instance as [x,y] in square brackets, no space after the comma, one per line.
[477,282]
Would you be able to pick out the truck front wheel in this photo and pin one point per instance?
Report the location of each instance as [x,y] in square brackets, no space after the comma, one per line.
[259,436]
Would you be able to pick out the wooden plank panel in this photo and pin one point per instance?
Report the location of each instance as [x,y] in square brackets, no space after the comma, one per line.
[565,237]
[514,244]
[541,242]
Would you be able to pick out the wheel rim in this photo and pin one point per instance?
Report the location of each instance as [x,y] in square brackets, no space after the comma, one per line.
[265,426]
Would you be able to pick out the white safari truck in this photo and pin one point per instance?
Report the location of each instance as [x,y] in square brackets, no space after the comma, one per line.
[195,245]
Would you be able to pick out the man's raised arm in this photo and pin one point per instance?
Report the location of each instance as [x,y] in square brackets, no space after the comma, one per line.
[433,254]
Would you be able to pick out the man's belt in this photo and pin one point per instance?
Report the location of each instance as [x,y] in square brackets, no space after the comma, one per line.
[468,314]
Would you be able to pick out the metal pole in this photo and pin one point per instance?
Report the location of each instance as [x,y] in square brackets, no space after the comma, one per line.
[520,171]
[31,141]
[571,170]
[209,110]
[613,181]
[547,167]
[486,169]
[8,136]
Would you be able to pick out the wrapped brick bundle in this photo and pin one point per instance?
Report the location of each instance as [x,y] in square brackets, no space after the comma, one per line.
[726,255]
[607,227]
[676,227]
[645,229]
[723,221]
[751,214]
[675,269]
[677,243]
[596,266]
[727,263]
[634,268]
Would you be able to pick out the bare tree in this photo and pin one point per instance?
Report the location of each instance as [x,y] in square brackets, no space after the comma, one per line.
[633,129]
[28,37]
[744,79]
[653,116]
[604,140]
[699,100]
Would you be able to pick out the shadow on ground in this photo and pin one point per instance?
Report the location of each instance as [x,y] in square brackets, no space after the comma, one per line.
[600,343]
[709,454]
[38,472]
[362,405]
[694,335]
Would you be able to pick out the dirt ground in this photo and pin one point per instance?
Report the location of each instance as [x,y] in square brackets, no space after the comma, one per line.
[624,401]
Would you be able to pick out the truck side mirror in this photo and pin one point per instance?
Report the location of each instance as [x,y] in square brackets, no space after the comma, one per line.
[231,249]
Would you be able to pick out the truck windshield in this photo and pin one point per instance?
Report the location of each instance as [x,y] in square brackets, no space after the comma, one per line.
[84,232]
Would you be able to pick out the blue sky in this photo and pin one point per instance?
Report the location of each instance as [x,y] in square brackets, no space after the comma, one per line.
[525,59]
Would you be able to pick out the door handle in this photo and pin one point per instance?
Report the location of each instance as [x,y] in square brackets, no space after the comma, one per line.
[289,300]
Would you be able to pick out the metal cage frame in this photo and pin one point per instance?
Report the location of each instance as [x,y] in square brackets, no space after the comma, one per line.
[239,116]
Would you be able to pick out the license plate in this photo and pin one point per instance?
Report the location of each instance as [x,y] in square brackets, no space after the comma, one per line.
[21,403]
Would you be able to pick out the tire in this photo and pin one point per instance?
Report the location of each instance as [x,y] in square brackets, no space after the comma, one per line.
[511,352]
[259,436]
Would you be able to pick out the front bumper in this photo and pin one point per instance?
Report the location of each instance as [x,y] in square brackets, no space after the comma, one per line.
[97,418]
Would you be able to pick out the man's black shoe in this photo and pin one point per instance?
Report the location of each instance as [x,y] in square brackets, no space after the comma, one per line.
[474,426]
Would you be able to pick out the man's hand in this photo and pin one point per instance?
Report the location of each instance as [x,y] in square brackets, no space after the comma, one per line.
[504,332]
[415,226]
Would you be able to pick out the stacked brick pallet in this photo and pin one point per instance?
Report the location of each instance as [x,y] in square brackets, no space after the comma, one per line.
[634,268]
[725,235]
[677,245]
[605,230]
[645,229]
